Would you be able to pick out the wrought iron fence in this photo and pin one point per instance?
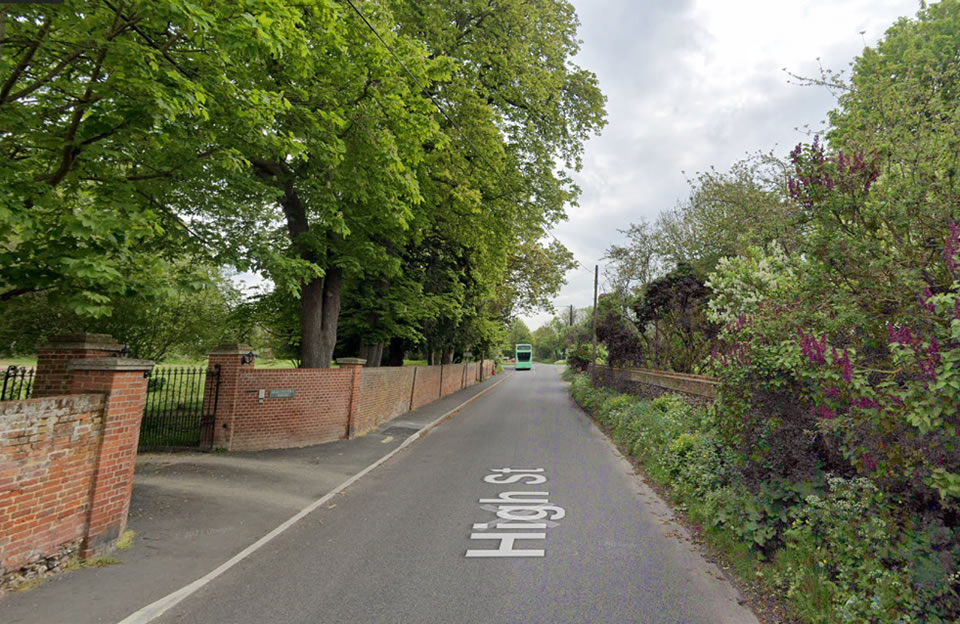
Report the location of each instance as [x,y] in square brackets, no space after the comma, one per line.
[17,383]
[180,409]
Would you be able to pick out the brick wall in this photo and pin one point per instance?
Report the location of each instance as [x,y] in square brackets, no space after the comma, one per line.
[473,373]
[123,384]
[318,413]
[53,378]
[67,461]
[650,383]
[427,386]
[486,369]
[384,394]
[48,459]
[452,378]
[328,404]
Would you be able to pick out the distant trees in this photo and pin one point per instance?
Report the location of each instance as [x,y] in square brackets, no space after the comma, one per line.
[197,311]
[518,333]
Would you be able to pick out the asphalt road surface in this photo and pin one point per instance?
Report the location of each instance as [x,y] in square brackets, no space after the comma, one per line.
[578,538]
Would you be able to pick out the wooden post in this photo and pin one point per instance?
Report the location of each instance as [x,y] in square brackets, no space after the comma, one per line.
[596,274]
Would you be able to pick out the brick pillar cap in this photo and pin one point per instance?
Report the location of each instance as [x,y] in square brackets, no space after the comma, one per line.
[102,342]
[111,364]
[232,348]
[351,361]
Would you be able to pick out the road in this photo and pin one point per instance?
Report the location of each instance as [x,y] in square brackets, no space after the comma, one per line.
[597,545]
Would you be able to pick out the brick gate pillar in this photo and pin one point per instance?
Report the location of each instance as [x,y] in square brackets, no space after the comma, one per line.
[355,365]
[53,377]
[124,384]
[230,358]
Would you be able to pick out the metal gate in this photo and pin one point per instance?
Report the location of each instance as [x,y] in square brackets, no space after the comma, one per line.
[181,408]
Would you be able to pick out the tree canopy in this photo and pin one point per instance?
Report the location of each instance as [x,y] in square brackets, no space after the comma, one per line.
[302,141]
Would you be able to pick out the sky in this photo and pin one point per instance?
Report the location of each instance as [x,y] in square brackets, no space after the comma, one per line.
[692,84]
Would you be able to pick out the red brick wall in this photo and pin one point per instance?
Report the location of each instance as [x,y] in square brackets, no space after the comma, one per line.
[125,393]
[473,372]
[384,395]
[318,413]
[48,457]
[427,388]
[452,378]
[321,410]
[487,368]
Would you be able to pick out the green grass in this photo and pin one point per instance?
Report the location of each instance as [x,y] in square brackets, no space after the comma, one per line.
[125,541]
[29,362]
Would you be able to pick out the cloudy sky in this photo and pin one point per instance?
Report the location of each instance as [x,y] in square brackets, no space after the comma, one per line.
[692,84]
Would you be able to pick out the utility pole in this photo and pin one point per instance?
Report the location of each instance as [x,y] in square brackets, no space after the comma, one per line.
[571,315]
[596,275]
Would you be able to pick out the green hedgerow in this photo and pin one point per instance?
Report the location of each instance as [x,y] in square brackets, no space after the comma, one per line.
[841,549]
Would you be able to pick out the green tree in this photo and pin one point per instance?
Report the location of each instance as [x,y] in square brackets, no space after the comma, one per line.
[513,105]
[518,333]
[893,145]
[726,212]
[106,107]
[635,264]
[548,340]
[200,311]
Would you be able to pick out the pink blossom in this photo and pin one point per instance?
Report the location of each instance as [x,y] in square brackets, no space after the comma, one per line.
[847,367]
[934,350]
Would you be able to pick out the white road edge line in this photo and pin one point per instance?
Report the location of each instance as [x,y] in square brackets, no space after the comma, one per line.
[154,610]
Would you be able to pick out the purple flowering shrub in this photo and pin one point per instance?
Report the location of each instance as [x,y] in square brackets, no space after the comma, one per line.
[893,419]
[842,361]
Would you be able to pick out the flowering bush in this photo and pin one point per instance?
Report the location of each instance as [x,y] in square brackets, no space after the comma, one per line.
[898,425]
[837,547]
[741,284]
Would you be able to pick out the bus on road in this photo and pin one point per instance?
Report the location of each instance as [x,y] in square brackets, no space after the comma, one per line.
[524,357]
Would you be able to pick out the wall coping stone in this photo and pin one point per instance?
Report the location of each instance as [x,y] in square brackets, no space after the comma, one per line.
[232,348]
[111,364]
[103,342]
[351,360]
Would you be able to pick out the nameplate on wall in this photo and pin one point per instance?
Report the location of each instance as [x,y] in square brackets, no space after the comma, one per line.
[285,393]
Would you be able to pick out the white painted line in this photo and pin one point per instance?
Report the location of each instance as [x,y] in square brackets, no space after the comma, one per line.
[154,610]
[505,548]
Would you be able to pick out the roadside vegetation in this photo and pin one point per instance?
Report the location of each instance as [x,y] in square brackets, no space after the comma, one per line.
[838,548]
[822,289]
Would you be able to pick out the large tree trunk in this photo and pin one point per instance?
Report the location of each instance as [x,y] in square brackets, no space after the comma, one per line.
[319,297]
[372,353]
[320,311]
[395,352]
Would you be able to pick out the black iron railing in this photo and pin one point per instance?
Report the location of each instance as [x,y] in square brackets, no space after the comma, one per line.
[17,383]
